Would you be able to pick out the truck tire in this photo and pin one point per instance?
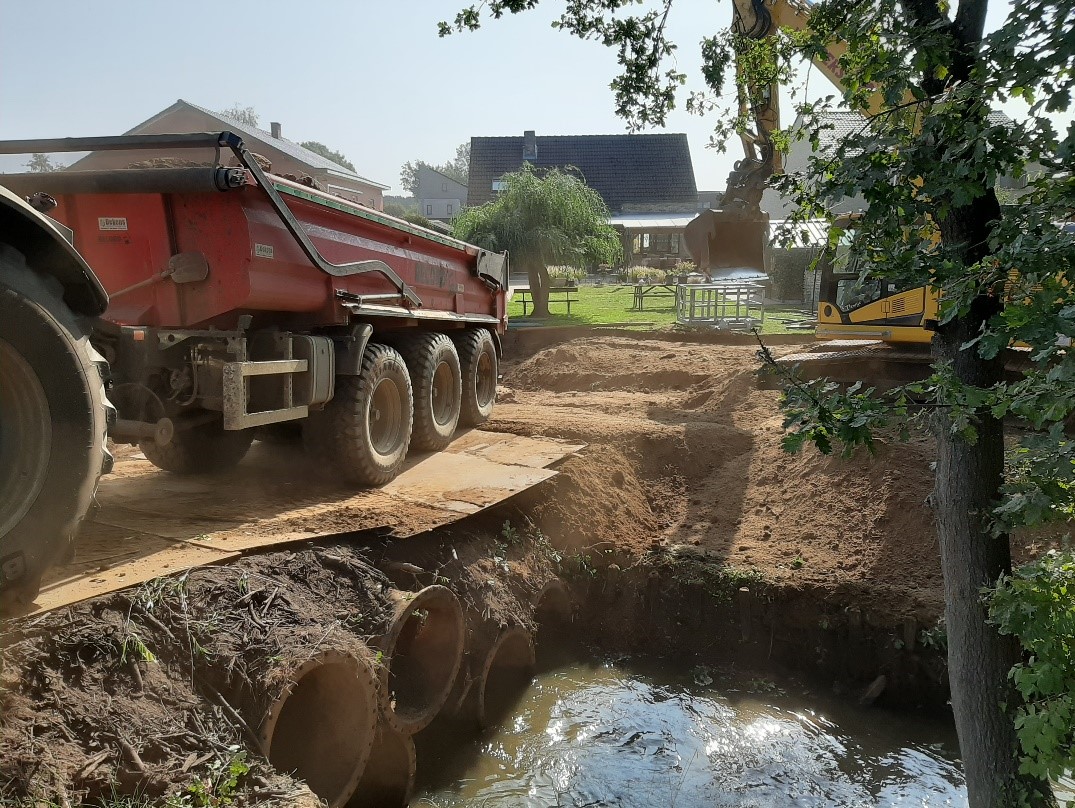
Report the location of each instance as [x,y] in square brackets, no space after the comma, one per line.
[433,365]
[53,427]
[201,449]
[365,430]
[289,433]
[478,363]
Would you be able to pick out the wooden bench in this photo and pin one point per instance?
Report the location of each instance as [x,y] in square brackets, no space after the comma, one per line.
[557,294]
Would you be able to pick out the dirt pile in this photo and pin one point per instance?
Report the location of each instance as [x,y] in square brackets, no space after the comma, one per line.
[683,525]
[684,447]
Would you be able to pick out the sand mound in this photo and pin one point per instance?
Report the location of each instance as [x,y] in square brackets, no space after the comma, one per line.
[683,447]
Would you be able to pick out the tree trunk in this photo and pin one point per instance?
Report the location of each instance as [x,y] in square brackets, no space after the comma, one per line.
[968,479]
[968,475]
[539,287]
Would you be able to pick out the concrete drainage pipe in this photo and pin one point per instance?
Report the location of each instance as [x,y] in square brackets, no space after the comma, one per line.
[553,604]
[322,724]
[504,675]
[389,777]
[423,648]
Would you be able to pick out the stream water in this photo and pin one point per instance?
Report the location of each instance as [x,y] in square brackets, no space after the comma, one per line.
[593,734]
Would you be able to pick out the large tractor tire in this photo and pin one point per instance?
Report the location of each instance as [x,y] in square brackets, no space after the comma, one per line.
[478,363]
[200,449]
[364,432]
[53,426]
[435,381]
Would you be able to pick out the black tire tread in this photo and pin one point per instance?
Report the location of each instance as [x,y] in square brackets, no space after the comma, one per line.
[420,353]
[338,433]
[57,523]
[470,345]
[202,449]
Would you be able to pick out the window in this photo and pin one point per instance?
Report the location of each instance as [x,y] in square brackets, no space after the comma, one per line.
[499,185]
[444,187]
[429,210]
[449,208]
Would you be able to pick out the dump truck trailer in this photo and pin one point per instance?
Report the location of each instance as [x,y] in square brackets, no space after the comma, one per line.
[191,307]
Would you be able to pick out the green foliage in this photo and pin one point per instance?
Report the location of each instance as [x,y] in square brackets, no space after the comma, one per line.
[393,209]
[645,91]
[608,305]
[788,270]
[134,646]
[414,217]
[542,219]
[935,637]
[1036,603]
[646,274]
[509,533]
[828,416]
[219,786]
[457,169]
[244,115]
[926,160]
[327,153]
[42,164]
[567,273]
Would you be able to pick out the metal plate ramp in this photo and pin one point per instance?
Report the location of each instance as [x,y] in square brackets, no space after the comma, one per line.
[151,523]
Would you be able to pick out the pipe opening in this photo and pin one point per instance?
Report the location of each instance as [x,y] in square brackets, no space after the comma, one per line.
[553,610]
[321,728]
[388,780]
[553,604]
[507,673]
[425,645]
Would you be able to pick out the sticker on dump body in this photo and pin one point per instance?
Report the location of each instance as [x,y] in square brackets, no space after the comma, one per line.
[263,250]
[111,222]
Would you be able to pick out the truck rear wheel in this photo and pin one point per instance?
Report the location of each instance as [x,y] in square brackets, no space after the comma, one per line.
[477,361]
[365,430]
[435,381]
[53,427]
[200,449]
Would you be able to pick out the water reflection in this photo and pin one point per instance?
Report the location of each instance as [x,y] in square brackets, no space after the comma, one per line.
[602,735]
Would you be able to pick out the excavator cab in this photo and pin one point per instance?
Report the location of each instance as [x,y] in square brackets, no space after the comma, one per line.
[853,304]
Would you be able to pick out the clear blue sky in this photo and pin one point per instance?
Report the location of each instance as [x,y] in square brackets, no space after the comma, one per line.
[370,79]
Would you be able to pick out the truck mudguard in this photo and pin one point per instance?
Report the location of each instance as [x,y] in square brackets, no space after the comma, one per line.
[37,237]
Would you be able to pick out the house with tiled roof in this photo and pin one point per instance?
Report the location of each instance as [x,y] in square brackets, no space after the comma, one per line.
[286,156]
[647,181]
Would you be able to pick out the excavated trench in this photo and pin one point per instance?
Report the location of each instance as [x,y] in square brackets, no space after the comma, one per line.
[325,672]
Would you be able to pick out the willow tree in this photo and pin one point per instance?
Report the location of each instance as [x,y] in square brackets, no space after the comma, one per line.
[927,167]
[542,219]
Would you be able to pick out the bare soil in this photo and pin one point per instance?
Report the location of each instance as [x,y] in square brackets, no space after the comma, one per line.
[685,449]
[682,494]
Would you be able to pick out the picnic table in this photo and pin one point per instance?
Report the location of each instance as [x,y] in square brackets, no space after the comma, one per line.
[557,294]
[644,290]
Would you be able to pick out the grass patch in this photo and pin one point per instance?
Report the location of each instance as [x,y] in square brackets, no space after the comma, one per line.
[612,305]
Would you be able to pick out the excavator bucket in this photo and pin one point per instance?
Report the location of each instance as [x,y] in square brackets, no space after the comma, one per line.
[728,245]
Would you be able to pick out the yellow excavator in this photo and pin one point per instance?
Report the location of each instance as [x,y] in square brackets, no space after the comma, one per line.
[851,305]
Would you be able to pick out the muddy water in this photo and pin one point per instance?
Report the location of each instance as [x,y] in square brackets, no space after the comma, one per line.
[630,735]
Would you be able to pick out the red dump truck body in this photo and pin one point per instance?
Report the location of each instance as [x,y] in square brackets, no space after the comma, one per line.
[255,265]
[239,299]
[242,306]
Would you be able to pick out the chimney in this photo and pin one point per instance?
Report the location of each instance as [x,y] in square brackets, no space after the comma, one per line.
[274,127]
[529,146]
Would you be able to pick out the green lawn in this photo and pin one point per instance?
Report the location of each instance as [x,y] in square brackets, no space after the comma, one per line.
[611,305]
